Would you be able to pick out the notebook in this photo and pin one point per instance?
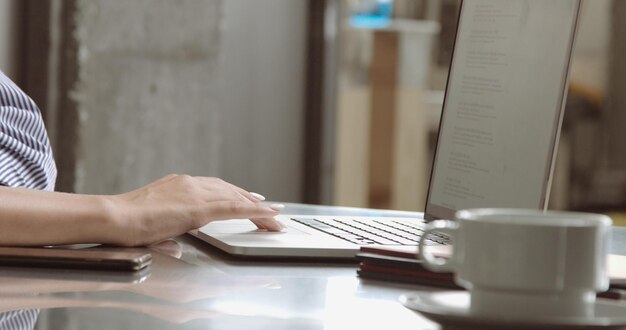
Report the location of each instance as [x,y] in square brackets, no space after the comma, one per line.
[497,139]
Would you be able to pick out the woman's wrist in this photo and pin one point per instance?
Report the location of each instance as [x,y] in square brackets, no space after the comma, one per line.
[114,221]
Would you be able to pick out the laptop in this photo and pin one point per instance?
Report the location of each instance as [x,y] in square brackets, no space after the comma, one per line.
[497,139]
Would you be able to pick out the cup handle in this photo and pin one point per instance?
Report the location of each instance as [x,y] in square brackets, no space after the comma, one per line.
[430,261]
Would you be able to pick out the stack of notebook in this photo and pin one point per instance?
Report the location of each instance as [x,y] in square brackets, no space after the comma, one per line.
[400,264]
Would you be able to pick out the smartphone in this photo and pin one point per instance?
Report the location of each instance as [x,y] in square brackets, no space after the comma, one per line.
[75,258]
[75,274]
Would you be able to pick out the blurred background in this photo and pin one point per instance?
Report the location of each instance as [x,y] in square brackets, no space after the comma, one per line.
[315,101]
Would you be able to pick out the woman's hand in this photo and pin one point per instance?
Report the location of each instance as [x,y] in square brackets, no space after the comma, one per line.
[176,204]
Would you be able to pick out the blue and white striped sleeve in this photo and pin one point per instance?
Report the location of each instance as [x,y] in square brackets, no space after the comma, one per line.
[19,319]
[26,159]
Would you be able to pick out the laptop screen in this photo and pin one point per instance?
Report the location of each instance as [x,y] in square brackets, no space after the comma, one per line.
[503,106]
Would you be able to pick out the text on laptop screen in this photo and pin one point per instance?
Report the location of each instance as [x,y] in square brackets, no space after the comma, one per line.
[503,105]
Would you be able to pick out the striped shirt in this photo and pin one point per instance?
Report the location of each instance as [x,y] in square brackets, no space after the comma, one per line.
[26,159]
[19,319]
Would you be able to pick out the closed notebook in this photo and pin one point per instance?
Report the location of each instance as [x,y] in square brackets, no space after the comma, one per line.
[401,269]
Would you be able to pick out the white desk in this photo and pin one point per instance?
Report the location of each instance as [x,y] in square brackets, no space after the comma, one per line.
[206,289]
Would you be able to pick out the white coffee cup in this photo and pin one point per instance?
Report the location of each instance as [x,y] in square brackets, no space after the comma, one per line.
[525,262]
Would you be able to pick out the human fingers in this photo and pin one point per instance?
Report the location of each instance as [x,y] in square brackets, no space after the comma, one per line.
[265,225]
[168,247]
[269,224]
[223,210]
[258,196]
[210,189]
[251,196]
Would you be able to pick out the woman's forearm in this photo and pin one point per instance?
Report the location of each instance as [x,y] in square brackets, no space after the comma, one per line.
[32,217]
[168,207]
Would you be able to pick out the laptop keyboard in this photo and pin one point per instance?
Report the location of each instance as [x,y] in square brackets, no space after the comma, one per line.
[368,232]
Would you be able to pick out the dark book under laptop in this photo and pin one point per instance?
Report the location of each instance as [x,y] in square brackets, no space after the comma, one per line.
[497,139]
[400,265]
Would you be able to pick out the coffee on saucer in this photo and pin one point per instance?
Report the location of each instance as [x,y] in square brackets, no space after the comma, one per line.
[526,263]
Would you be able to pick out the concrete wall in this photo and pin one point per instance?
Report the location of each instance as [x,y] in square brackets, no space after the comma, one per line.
[209,88]
[9,38]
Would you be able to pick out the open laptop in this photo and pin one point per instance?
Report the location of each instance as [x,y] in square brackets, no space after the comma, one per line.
[497,139]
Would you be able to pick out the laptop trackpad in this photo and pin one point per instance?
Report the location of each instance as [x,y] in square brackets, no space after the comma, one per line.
[246,227]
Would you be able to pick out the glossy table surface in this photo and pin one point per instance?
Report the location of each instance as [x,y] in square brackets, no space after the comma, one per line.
[191,285]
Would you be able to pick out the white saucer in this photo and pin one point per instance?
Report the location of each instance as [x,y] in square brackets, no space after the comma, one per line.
[451,310]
